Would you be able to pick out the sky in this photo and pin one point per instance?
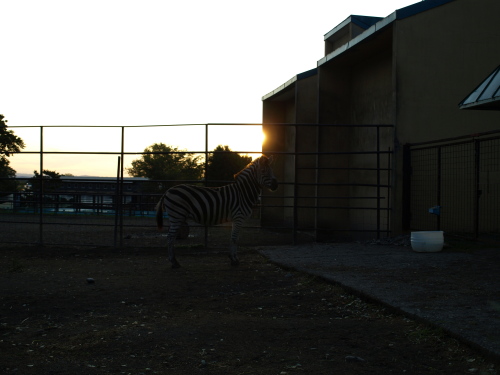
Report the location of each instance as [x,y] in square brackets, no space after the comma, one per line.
[153,62]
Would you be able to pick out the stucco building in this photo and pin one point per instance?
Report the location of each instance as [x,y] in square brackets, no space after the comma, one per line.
[408,70]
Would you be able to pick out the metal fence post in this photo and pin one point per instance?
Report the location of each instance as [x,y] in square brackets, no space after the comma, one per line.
[121,185]
[117,195]
[406,188]
[478,192]
[439,179]
[378,182]
[42,192]
[295,190]
[206,182]
[316,185]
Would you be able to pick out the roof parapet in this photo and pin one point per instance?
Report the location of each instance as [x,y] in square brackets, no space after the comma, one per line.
[399,14]
[291,81]
[367,26]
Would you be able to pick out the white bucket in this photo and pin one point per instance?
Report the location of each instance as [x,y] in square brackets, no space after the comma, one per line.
[427,241]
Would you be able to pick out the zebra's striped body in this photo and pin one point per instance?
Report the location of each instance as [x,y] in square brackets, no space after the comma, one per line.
[211,206]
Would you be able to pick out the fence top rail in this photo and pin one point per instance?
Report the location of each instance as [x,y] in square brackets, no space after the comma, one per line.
[200,152]
[132,152]
[331,125]
[463,138]
[132,126]
[207,124]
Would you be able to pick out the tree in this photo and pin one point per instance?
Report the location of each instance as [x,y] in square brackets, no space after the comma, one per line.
[51,181]
[223,164]
[162,162]
[8,184]
[33,193]
[9,144]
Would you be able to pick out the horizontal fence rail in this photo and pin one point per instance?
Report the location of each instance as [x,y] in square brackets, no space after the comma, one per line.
[317,188]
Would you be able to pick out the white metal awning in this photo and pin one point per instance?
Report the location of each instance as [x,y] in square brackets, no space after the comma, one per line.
[486,96]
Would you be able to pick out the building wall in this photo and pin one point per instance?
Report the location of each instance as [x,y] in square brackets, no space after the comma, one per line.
[355,89]
[412,74]
[275,112]
[296,104]
[372,89]
[439,56]
[306,140]
[334,108]
[372,104]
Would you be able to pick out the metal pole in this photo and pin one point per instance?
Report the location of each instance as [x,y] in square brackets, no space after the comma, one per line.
[41,193]
[389,187]
[295,189]
[316,186]
[205,179]
[439,172]
[121,186]
[478,192]
[117,195]
[406,199]
[378,182]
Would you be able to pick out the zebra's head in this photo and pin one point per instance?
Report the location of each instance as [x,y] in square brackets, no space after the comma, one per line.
[264,172]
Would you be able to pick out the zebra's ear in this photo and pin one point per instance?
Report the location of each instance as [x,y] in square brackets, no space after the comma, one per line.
[271,159]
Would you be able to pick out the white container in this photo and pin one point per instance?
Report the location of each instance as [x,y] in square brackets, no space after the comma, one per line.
[427,241]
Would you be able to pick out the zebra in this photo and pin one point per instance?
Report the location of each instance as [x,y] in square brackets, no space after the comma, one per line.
[211,206]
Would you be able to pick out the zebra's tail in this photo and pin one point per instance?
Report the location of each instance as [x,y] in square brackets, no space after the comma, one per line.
[159,213]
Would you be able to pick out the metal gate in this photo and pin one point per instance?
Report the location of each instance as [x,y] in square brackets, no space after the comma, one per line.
[454,185]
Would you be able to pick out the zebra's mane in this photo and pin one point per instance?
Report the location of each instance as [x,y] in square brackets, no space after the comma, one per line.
[252,165]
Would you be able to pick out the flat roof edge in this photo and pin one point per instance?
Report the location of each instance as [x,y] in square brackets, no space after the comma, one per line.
[398,14]
[291,81]
[419,7]
[361,21]
[364,35]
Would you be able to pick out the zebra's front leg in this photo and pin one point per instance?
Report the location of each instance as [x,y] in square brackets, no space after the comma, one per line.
[233,248]
[171,237]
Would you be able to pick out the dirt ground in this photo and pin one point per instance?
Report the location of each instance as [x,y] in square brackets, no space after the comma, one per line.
[105,311]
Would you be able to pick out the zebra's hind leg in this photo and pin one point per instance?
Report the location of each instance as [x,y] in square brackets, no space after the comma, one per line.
[171,252]
[234,254]
[233,248]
